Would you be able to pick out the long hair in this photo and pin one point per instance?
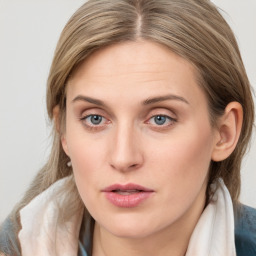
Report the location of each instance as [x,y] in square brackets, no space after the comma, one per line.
[193,29]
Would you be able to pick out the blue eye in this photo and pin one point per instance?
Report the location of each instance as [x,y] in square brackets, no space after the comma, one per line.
[94,119]
[94,122]
[160,120]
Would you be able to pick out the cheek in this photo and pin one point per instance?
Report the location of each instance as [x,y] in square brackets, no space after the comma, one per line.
[80,149]
[85,163]
[183,160]
[181,169]
[87,156]
[83,147]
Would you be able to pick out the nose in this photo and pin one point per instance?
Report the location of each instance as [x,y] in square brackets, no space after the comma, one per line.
[126,151]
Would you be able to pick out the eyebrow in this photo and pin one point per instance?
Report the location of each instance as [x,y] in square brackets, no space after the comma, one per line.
[164,98]
[145,102]
[88,99]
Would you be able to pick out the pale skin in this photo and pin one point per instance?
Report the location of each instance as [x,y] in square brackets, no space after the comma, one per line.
[152,128]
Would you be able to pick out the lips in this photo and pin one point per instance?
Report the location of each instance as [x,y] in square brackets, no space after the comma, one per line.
[127,192]
[127,196]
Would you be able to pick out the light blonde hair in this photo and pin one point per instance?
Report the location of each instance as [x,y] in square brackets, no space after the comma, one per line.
[193,29]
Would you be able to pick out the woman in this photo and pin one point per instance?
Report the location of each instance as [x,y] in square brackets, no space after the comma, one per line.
[153,113]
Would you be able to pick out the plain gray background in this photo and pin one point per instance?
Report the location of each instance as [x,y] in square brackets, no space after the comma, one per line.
[29,30]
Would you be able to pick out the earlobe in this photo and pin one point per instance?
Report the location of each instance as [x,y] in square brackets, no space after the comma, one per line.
[228,131]
[64,144]
[56,117]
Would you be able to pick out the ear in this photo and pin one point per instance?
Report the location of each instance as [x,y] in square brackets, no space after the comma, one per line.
[228,131]
[56,117]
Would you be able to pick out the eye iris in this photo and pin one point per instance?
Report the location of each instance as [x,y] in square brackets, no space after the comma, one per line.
[160,120]
[95,119]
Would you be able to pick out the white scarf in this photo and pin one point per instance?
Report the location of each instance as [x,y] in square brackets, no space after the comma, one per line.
[214,234]
[41,234]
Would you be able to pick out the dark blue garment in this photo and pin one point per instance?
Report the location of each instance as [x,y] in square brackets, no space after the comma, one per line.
[82,251]
[245,232]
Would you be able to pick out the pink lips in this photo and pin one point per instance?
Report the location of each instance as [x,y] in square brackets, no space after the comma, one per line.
[127,196]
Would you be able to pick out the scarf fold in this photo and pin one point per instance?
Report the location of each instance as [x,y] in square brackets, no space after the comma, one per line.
[43,235]
[214,234]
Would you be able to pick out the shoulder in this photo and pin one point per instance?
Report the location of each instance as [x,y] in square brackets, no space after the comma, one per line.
[245,231]
[9,244]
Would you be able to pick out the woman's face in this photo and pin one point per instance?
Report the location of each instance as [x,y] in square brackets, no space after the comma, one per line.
[139,138]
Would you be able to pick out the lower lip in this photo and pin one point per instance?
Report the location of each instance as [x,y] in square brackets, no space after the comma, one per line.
[127,201]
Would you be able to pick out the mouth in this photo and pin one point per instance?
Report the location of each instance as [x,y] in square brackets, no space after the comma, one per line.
[127,196]
[127,192]
[130,187]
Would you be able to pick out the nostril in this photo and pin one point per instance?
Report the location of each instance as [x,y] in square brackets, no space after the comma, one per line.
[127,168]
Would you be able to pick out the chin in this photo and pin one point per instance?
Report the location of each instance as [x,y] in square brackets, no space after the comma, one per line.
[132,227]
[132,232]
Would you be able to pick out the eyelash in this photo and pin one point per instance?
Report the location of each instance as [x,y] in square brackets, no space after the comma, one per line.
[95,127]
[170,120]
[92,126]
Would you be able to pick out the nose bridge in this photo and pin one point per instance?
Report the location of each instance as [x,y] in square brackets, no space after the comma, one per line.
[125,153]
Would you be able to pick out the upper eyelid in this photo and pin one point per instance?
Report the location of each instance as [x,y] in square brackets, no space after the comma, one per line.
[167,116]
[162,112]
[81,107]
[90,125]
[171,119]
[96,111]
[92,111]
[90,115]
[148,113]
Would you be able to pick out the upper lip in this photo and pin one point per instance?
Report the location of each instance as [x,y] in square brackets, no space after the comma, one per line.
[126,187]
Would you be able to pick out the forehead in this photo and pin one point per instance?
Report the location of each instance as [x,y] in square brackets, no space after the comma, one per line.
[139,56]
[143,67]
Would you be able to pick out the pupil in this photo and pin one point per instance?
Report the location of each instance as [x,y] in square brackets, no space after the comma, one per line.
[160,120]
[96,119]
